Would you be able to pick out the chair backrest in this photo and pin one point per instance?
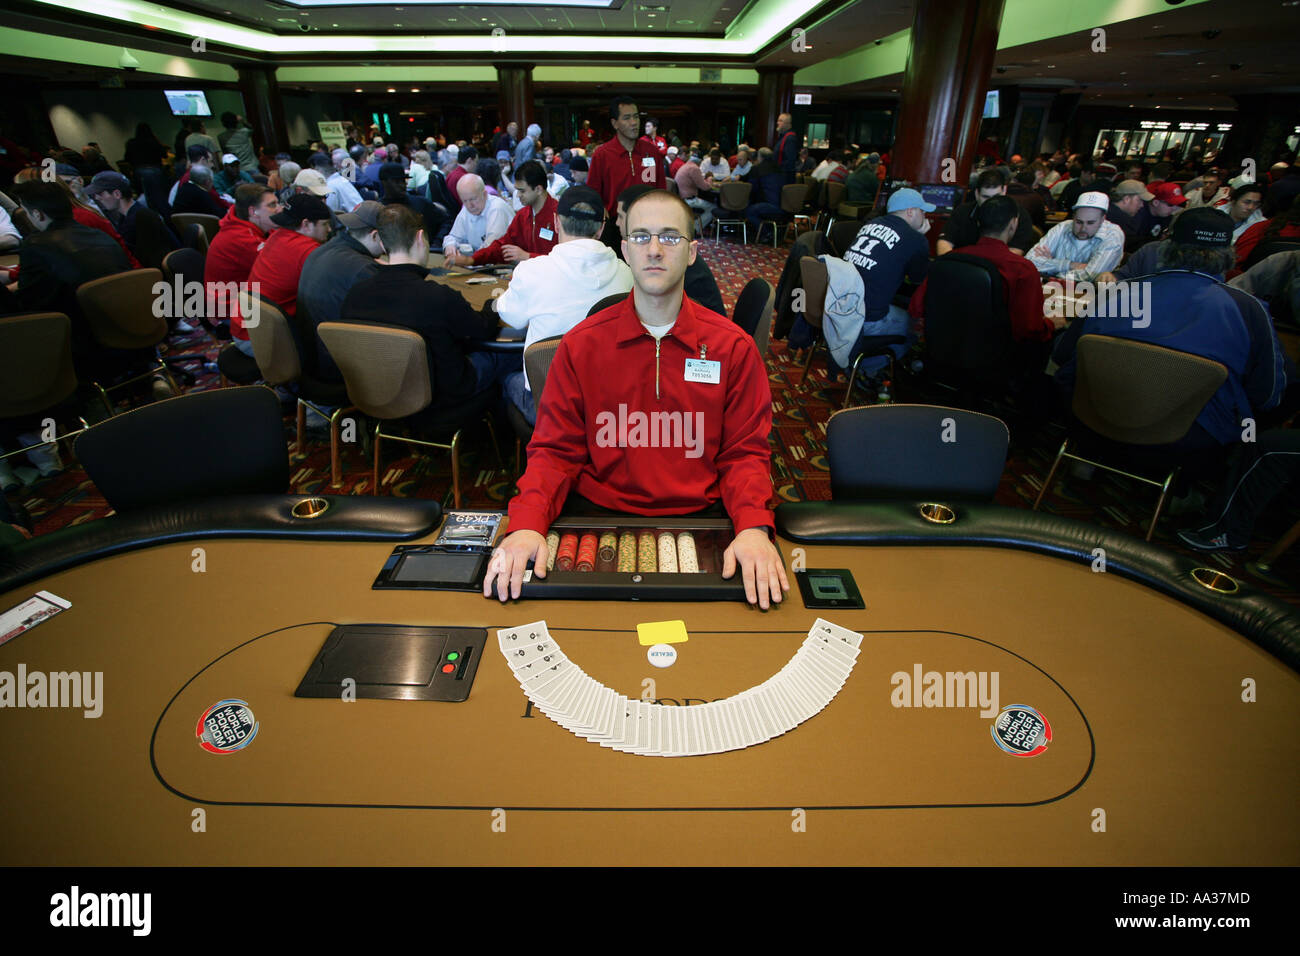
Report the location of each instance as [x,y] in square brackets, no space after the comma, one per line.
[1265,249]
[386,368]
[194,237]
[1138,393]
[734,197]
[842,235]
[120,309]
[815,282]
[208,223]
[835,193]
[967,325]
[36,371]
[792,197]
[753,311]
[274,346]
[672,187]
[537,364]
[813,191]
[226,441]
[898,451]
[186,263]
[606,302]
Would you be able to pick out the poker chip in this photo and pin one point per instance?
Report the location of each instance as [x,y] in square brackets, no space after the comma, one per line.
[587,552]
[687,560]
[552,549]
[667,553]
[567,552]
[647,552]
[627,552]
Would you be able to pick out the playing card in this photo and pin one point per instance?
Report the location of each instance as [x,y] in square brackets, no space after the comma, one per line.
[520,656]
[837,633]
[523,634]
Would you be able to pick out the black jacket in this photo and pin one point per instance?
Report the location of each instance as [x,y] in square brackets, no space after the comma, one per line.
[400,295]
[329,273]
[192,198]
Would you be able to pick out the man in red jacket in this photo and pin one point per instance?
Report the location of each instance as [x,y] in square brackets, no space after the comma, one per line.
[234,249]
[1022,289]
[304,224]
[692,375]
[626,160]
[531,232]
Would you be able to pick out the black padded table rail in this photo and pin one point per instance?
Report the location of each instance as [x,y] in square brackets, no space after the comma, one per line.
[345,518]
[1267,621]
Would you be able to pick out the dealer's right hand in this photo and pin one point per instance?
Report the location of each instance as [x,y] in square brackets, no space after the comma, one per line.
[511,558]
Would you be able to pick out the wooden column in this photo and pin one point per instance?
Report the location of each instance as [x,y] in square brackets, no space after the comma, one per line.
[263,108]
[515,95]
[775,96]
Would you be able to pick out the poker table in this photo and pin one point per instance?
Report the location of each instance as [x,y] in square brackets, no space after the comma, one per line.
[1172,707]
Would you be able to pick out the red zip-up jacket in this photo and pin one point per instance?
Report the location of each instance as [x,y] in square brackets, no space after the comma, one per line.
[523,232]
[643,440]
[613,169]
[230,258]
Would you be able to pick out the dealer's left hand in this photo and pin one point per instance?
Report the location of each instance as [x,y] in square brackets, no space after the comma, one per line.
[761,567]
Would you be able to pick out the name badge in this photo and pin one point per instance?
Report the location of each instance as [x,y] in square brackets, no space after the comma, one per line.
[546,234]
[647,160]
[703,370]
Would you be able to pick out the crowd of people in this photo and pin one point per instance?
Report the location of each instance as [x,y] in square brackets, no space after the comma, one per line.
[344,233]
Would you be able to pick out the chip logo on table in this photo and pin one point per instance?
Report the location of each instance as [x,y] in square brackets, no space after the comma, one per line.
[1021,731]
[226,726]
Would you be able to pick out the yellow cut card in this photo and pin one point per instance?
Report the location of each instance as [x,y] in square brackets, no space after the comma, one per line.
[662,632]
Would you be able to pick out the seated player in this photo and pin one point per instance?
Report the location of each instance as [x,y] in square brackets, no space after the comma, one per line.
[1190,311]
[997,219]
[1082,247]
[551,294]
[646,341]
[531,232]
[398,294]
[482,218]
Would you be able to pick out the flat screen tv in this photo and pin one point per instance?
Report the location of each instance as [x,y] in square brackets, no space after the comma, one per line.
[991,105]
[188,102]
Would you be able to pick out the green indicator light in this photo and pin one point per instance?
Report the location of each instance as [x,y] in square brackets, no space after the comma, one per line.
[453,656]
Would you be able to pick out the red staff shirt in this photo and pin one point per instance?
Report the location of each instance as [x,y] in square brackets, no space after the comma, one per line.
[533,234]
[646,440]
[614,169]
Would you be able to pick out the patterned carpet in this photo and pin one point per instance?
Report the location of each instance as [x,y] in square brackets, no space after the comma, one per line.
[798,454]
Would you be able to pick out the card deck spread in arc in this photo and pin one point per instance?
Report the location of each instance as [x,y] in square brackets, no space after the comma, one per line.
[561,690]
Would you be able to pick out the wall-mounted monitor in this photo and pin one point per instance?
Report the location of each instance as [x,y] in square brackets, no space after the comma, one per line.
[188,102]
[991,105]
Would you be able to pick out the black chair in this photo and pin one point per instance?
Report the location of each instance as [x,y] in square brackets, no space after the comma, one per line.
[915,451]
[189,265]
[753,311]
[201,445]
[968,344]
[841,236]
[606,302]
[194,236]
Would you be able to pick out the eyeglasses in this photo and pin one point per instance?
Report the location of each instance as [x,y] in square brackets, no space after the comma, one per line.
[669,239]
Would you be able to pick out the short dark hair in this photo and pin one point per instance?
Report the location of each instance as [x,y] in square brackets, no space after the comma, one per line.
[248,195]
[50,199]
[990,178]
[1086,165]
[531,173]
[617,101]
[196,153]
[1247,188]
[397,226]
[322,164]
[229,120]
[466,154]
[687,215]
[995,214]
[1026,177]
[632,194]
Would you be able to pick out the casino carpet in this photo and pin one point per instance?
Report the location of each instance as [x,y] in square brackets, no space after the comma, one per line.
[798,454]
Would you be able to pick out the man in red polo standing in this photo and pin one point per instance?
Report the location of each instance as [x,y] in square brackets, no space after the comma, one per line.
[626,160]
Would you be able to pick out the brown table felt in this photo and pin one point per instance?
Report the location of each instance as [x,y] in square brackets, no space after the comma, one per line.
[1143,695]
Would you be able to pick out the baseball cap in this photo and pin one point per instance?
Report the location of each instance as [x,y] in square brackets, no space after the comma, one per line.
[66,169]
[503,155]
[377,141]
[312,181]
[578,164]
[301,208]
[1202,226]
[105,181]
[392,171]
[1132,187]
[366,215]
[229,158]
[672,150]
[901,199]
[1169,193]
[1092,200]
[581,194]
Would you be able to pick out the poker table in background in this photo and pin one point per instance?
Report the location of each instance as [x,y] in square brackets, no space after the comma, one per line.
[1138,669]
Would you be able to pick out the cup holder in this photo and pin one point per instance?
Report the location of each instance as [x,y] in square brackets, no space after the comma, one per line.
[938,514]
[310,508]
[1216,581]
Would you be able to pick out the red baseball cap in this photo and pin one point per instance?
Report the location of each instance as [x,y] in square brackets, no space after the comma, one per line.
[1169,193]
